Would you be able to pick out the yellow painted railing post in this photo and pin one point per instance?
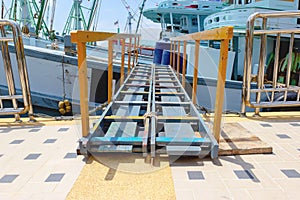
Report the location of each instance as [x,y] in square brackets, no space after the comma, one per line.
[220,89]
[184,64]
[174,55]
[171,49]
[122,62]
[110,70]
[134,54]
[178,59]
[83,87]
[129,55]
[195,78]
[137,52]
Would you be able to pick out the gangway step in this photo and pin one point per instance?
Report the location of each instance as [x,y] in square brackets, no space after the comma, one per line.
[113,149]
[183,150]
[11,111]
[9,97]
[6,39]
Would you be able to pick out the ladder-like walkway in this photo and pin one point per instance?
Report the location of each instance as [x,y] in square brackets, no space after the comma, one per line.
[151,114]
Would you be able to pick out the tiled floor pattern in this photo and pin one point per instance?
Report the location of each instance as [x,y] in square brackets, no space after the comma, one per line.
[270,176]
[38,162]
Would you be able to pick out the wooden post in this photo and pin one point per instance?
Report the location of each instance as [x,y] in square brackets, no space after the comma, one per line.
[83,87]
[110,71]
[174,47]
[137,52]
[178,59]
[171,49]
[129,55]
[184,64]
[122,62]
[220,89]
[195,78]
[134,54]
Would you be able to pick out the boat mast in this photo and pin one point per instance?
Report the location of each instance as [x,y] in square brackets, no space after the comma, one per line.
[139,20]
[76,19]
[30,16]
[52,15]
[40,17]
[92,14]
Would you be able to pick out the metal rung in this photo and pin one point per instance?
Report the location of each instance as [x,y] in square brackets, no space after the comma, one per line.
[133,74]
[173,103]
[169,94]
[170,77]
[138,79]
[136,85]
[134,92]
[10,111]
[165,81]
[6,39]
[8,97]
[131,102]
[159,118]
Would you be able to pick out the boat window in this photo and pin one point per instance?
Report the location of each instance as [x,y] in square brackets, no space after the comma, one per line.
[210,21]
[217,19]
[183,21]
[194,22]
[205,6]
[175,4]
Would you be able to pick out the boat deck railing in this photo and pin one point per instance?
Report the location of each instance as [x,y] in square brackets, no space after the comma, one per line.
[278,85]
[25,97]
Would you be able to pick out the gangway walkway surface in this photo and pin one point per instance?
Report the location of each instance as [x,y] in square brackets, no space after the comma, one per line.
[151,114]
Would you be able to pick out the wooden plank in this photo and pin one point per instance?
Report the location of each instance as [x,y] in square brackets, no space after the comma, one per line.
[236,140]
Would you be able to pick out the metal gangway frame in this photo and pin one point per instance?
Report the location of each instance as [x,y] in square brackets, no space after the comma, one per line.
[272,93]
[151,113]
[16,39]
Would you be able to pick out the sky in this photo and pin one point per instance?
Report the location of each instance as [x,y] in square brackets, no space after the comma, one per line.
[110,12]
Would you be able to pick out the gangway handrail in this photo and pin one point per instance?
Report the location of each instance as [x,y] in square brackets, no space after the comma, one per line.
[223,34]
[252,31]
[17,41]
[81,38]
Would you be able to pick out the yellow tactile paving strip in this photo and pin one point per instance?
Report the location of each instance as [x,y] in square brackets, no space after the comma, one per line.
[97,181]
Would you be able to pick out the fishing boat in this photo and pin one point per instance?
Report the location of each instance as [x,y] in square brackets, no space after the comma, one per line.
[181,17]
[235,15]
[52,58]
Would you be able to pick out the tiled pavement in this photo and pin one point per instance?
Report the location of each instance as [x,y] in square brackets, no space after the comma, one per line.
[38,162]
[41,163]
[270,176]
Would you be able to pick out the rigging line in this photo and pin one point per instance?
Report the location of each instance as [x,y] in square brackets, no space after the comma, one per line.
[97,16]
